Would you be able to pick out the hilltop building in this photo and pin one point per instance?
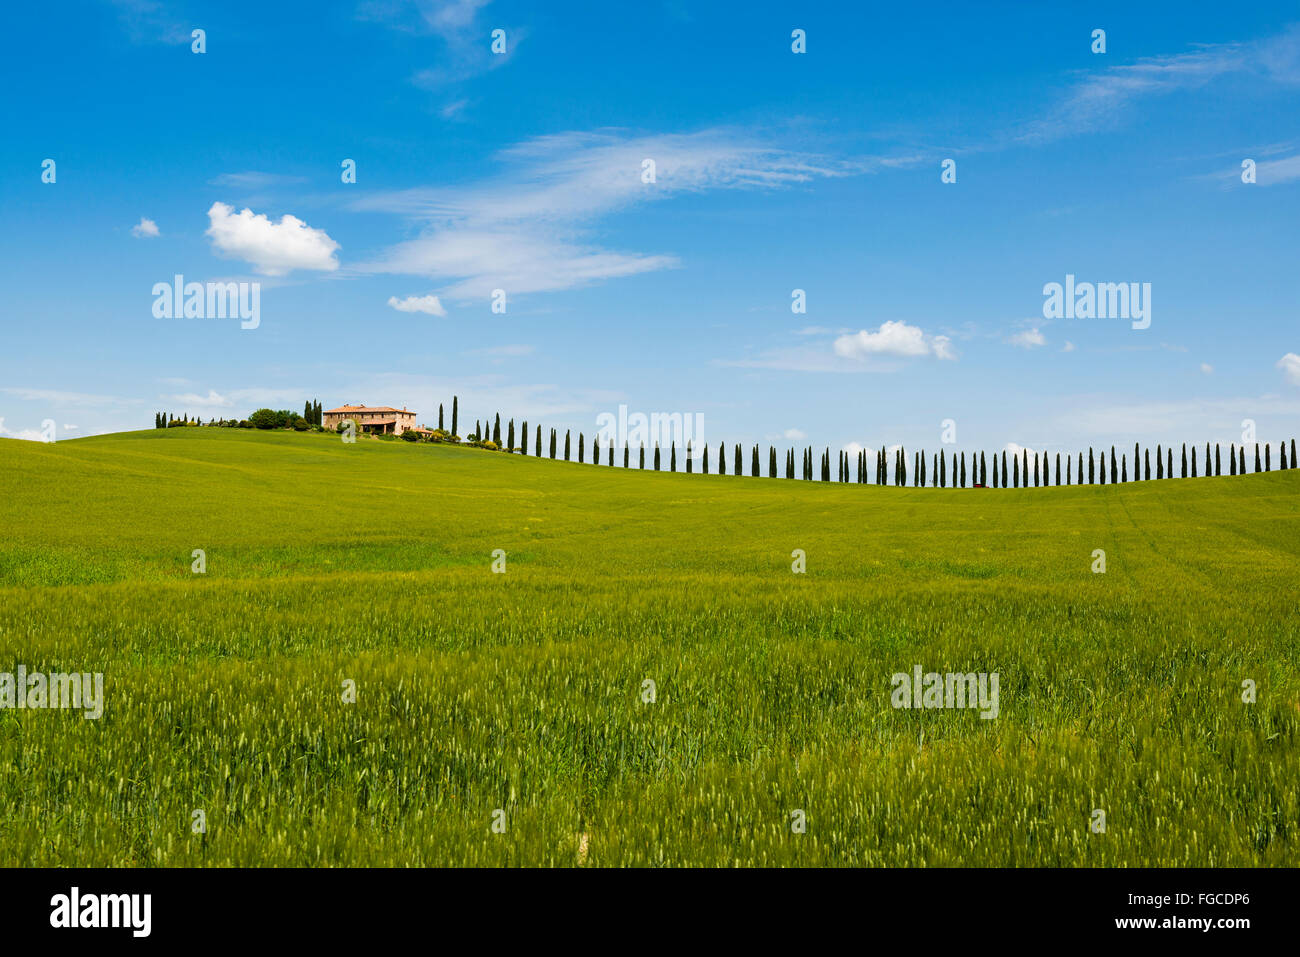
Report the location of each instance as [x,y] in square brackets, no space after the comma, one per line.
[379,419]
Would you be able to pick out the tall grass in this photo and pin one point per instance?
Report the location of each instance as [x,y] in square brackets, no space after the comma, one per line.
[522,691]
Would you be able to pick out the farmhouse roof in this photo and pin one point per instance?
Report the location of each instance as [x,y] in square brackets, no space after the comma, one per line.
[366,408]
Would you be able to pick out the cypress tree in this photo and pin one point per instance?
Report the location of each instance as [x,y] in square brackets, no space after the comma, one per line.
[1035,470]
[455,409]
[1293,462]
[672,455]
[510,437]
[1090,471]
[306,411]
[1169,462]
[566,444]
[943,469]
[538,450]
[754,471]
[523,439]
[1208,470]
[641,457]
[1015,472]
[1137,471]
[963,470]
[934,470]
[1184,472]
[627,452]
[688,456]
[771,462]
[611,453]
[984,470]
[1267,466]
[553,437]
[1081,466]
[1058,468]
[704,467]
[1123,475]
[1218,460]
[1101,466]
[1114,475]
[1005,473]
[789,464]
[595,449]
[1281,456]
[995,470]
[1257,469]
[656,456]
[1193,461]
[739,469]
[1148,465]
[1160,463]
[496,430]
[1068,462]
[580,457]
[722,458]
[439,415]
[1024,465]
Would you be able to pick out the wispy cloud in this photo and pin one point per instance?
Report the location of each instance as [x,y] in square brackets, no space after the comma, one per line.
[145,229]
[1104,97]
[149,21]
[526,230]
[466,36]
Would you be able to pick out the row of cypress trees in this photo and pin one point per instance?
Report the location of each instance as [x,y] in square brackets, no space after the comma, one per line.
[944,469]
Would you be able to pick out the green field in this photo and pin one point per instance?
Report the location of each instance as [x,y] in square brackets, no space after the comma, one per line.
[522,691]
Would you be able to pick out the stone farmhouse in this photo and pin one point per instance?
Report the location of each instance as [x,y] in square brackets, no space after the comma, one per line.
[378,419]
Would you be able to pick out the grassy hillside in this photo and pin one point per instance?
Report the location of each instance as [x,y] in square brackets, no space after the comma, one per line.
[522,691]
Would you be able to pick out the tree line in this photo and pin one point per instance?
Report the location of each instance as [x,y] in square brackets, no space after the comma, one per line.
[942,469]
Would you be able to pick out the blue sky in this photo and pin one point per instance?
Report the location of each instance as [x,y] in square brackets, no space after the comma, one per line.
[775,171]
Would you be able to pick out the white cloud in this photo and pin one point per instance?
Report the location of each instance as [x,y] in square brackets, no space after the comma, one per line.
[145,229]
[255,179]
[1103,96]
[511,350]
[526,230]
[1290,366]
[1015,449]
[893,338]
[1207,368]
[273,249]
[1068,347]
[213,400]
[238,399]
[1028,339]
[794,435]
[426,304]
